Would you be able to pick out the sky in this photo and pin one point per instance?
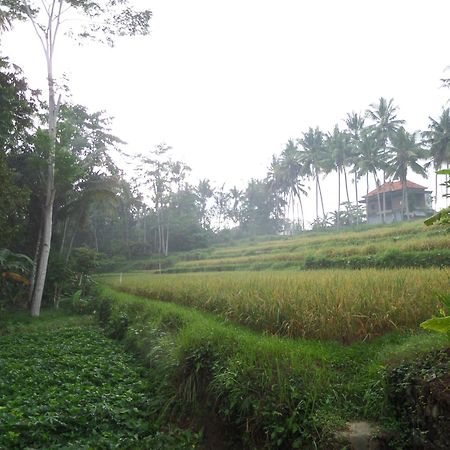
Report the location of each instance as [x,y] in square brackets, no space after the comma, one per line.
[226,84]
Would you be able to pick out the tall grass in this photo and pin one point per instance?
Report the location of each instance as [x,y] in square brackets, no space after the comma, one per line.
[339,305]
[271,392]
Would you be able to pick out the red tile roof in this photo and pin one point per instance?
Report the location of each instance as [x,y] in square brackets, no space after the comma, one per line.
[392,186]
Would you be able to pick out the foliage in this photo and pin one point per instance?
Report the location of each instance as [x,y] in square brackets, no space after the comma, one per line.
[418,392]
[15,269]
[82,391]
[17,107]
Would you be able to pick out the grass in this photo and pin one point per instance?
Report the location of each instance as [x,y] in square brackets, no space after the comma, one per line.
[339,305]
[272,392]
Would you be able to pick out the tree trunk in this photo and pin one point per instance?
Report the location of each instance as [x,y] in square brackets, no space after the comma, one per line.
[69,251]
[35,265]
[321,197]
[435,190]
[338,218]
[346,185]
[377,183]
[384,198]
[47,218]
[446,188]
[145,227]
[95,236]
[166,249]
[63,240]
[317,197]
[405,194]
[356,198]
[301,209]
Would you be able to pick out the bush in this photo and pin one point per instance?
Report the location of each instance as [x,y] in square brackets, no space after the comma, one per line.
[419,393]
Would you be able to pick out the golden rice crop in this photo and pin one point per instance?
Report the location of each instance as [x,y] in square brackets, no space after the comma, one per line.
[329,305]
[331,250]
[292,243]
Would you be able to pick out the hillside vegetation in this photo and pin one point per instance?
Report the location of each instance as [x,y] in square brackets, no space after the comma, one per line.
[397,245]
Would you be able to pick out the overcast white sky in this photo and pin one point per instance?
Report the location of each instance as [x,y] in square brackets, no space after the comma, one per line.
[227,83]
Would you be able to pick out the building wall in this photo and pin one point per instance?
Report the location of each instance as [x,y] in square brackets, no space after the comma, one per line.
[393,206]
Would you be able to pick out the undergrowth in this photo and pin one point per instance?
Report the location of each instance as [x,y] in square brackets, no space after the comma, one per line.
[70,387]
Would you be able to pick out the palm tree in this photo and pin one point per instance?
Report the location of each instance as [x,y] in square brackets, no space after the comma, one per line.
[291,168]
[369,161]
[384,116]
[338,152]
[5,22]
[355,126]
[406,154]
[312,157]
[438,137]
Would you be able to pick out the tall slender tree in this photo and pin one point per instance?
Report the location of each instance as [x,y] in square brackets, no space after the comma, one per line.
[438,138]
[339,151]
[289,176]
[407,153]
[369,160]
[312,157]
[104,20]
[355,127]
[385,124]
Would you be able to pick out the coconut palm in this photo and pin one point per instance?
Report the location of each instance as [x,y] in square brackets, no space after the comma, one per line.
[438,138]
[285,178]
[369,161]
[312,157]
[291,167]
[5,22]
[406,154]
[355,126]
[386,124]
[338,145]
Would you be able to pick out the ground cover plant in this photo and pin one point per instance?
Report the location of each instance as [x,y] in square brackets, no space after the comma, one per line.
[64,384]
[263,391]
[336,305]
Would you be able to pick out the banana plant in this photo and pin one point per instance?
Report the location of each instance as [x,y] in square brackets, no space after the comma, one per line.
[14,266]
[440,324]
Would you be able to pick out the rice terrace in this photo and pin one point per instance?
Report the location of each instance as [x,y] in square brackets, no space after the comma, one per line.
[338,335]
[260,260]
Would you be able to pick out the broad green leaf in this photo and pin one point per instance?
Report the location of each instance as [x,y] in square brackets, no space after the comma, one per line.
[438,324]
[438,216]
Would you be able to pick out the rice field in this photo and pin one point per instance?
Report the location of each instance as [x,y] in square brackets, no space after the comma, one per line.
[285,252]
[338,305]
[414,244]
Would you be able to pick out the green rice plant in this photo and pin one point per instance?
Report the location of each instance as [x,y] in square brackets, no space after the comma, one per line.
[339,305]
